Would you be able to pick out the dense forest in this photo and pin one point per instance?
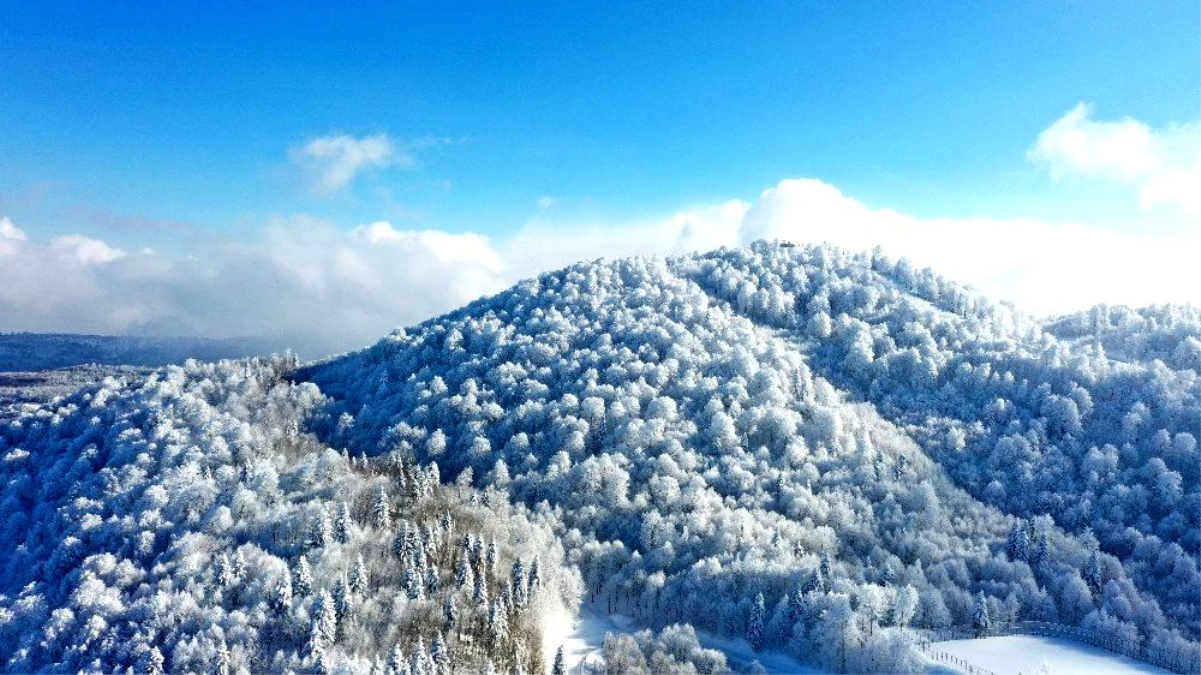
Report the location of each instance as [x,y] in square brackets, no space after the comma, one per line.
[805,447]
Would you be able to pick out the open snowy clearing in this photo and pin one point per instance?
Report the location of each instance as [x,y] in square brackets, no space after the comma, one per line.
[583,639]
[1027,654]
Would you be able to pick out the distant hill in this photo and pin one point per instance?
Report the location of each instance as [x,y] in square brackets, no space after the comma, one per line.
[47,351]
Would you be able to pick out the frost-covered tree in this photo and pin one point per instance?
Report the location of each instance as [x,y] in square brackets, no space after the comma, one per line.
[981,622]
[755,625]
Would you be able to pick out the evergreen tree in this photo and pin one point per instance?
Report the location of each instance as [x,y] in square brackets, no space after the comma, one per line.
[397,661]
[1018,543]
[440,655]
[224,664]
[381,515]
[463,576]
[1093,576]
[479,593]
[535,578]
[754,629]
[398,541]
[323,529]
[342,523]
[518,584]
[417,660]
[498,625]
[431,579]
[324,629]
[304,576]
[155,662]
[281,596]
[490,560]
[559,667]
[359,578]
[413,583]
[225,571]
[980,619]
[450,615]
[342,598]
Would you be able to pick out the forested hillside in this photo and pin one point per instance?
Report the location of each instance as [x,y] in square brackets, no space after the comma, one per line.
[855,441]
[187,523]
[800,446]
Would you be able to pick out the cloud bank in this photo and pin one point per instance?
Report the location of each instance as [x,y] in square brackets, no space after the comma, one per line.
[322,289]
[1162,166]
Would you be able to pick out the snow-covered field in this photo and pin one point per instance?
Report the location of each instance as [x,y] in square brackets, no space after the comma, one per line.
[1028,654]
[582,641]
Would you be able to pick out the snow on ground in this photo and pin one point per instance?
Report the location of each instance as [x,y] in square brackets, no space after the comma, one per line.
[1027,654]
[583,638]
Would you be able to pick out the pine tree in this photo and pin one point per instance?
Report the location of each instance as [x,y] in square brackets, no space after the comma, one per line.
[1041,544]
[358,578]
[463,576]
[796,605]
[322,529]
[824,577]
[304,576]
[498,625]
[342,523]
[413,583]
[381,515]
[559,667]
[238,566]
[398,541]
[1018,543]
[431,579]
[1093,576]
[490,560]
[479,592]
[754,629]
[440,655]
[225,571]
[155,662]
[342,597]
[224,664]
[518,584]
[417,665]
[535,578]
[281,596]
[450,615]
[397,661]
[980,619]
[325,620]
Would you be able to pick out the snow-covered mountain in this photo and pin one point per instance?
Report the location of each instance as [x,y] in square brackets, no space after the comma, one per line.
[798,445]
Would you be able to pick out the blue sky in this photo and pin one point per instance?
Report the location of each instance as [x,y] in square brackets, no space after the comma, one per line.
[165,124]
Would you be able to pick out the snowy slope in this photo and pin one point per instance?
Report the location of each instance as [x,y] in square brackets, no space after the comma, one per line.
[1031,655]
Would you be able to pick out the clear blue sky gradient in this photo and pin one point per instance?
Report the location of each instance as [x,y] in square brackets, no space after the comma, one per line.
[117,114]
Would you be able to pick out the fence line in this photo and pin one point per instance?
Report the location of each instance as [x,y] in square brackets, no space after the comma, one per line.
[1132,648]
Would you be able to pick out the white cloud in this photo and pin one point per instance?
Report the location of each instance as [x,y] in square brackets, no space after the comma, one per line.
[546,202]
[11,237]
[1163,166]
[332,162]
[323,288]
[84,250]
